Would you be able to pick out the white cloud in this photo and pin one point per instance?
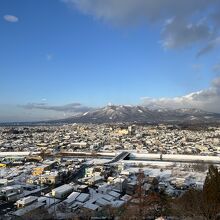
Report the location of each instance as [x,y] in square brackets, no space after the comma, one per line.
[11,18]
[49,57]
[187,22]
[207,99]
[177,33]
[211,45]
[123,11]
[197,67]
[216,68]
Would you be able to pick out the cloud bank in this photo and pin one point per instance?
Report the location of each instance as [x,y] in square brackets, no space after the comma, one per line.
[183,23]
[73,108]
[208,99]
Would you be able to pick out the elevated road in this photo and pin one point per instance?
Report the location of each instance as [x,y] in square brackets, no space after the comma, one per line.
[119,157]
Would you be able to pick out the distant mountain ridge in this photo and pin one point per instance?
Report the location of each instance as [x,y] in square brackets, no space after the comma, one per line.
[142,114]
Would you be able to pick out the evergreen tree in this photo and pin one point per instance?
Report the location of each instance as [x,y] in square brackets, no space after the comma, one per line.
[211,193]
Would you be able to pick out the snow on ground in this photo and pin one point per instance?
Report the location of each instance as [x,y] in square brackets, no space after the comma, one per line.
[97,161]
[154,163]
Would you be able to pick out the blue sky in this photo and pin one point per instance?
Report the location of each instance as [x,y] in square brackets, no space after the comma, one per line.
[58,52]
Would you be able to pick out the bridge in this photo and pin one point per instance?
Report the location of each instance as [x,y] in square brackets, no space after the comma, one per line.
[119,157]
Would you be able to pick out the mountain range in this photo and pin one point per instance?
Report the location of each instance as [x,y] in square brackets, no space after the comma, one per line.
[142,114]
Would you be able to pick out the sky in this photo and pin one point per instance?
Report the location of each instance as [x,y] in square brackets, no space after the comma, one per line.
[63,57]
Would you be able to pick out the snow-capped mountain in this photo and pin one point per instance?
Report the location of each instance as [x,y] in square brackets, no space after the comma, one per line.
[141,114]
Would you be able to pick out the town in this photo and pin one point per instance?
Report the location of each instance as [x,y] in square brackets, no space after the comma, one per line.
[86,170]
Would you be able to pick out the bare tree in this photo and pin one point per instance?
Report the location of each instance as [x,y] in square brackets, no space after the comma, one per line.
[39,214]
[142,204]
